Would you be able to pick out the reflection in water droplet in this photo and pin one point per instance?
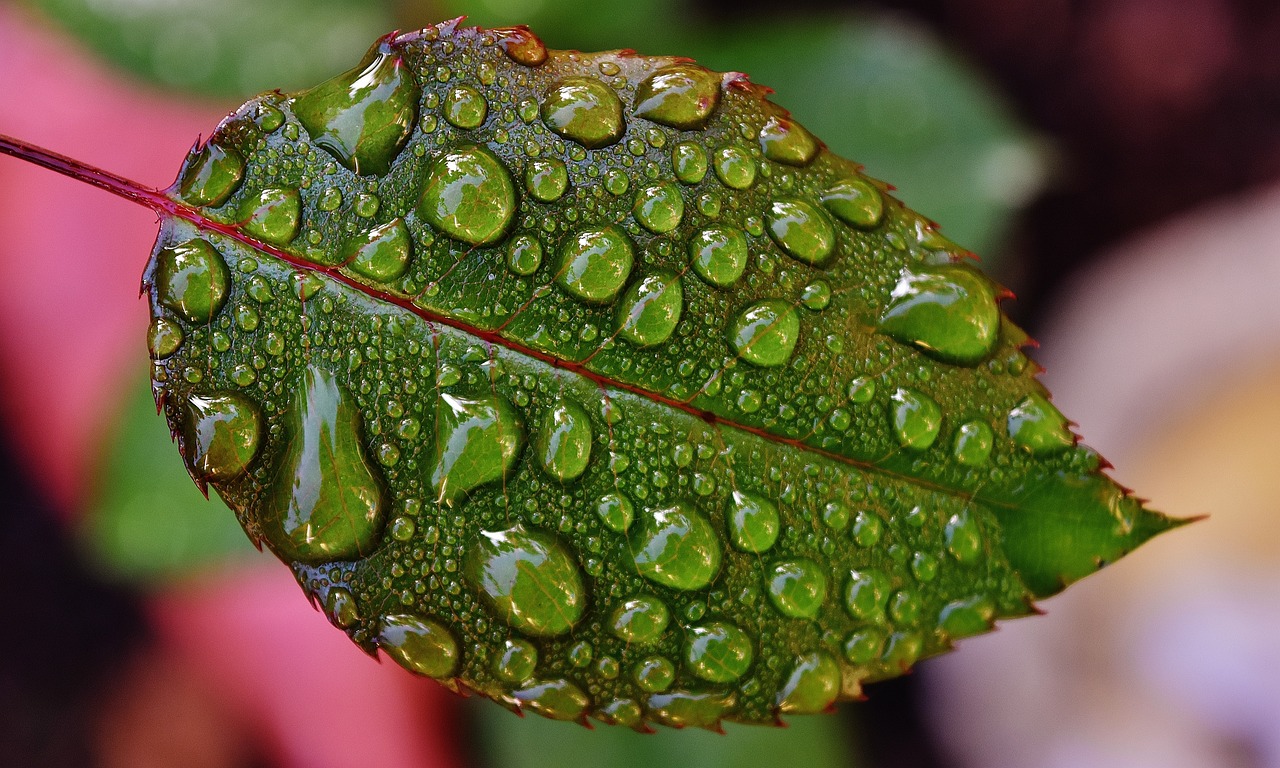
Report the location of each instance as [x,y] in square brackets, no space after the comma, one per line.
[719,255]
[222,434]
[797,588]
[529,578]
[735,167]
[766,333]
[866,594]
[783,140]
[862,646]
[676,547]
[524,255]
[680,96]
[272,216]
[192,279]
[801,230]
[655,674]
[477,442]
[867,529]
[465,107]
[1039,427]
[650,309]
[419,645]
[974,440]
[855,202]
[163,338]
[522,46]
[546,178]
[964,537]
[812,686]
[469,195]
[517,660]
[816,295]
[563,440]
[640,620]
[616,512]
[659,208]
[916,419]
[211,177]
[381,253]
[556,699]
[753,522]
[326,503]
[595,264]
[584,110]
[689,161]
[363,117]
[949,312]
[340,607]
[718,652]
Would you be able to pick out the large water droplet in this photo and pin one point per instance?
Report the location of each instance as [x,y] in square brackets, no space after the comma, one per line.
[659,208]
[517,660]
[326,503]
[556,699]
[584,110]
[272,216]
[866,594]
[949,312]
[718,652]
[192,280]
[690,709]
[797,588]
[681,96]
[477,442]
[813,685]
[529,578]
[595,264]
[855,202]
[380,254]
[640,620]
[676,547]
[222,434]
[563,441]
[1039,427]
[783,140]
[163,338]
[753,522]
[465,107]
[363,117]
[469,195]
[801,230]
[766,333]
[916,419]
[340,607]
[419,645]
[650,309]
[974,440]
[546,178]
[211,176]
[735,167]
[719,255]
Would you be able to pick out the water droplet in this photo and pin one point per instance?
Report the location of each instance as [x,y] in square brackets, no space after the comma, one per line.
[650,309]
[522,46]
[905,606]
[272,216]
[402,528]
[863,645]
[243,375]
[563,442]
[340,606]
[676,547]
[477,442]
[735,168]
[719,255]
[866,594]
[380,254]
[813,685]
[765,333]
[964,538]
[753,522]
[422,646]
[640,620]
[797,588]
[974,440]
[855,202]
[783,140]
[517,661]
[949,312]
[556,699]
[916,419]
[363,117]
[546,179]
[967,617]
[655,674]
[924,567]
[192,280]
[222,434]
[801,230]
[689,709]
[524,255]
[867,529]
[269,118]
[595,264]
[624,712]
[584,110]
[163,338]
[689,161]
[1039,427]
[861,390]
[469,195]
[465,107]
[330,199]
[680,96]
[659,208]
[367,205]
[718,652]
[529,578]
[616,182]
[616,512]
[326,503]
[816,295]
[211,176]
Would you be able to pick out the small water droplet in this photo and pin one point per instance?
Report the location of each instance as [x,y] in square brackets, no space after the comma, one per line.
[380,254]
[783,140]
[1039,427]
[867,529]
[719,255]
[949,312]
[524,255]
[650,309]
[964,537]
[735,167]
[659,208]
[855,202]
[465,107]
[546,179]
[813,685]
[269,118]
[402,528]
[211,176]
[655,674]
[974,440]
[966,617]
[222,434]
[554,699]
[523,46]
[680,96]
[469,195]
[616,182]
[689,162]
[718,652]
[676,547]
[192,279]
[272,216]
[340,607]
[367,205]
[753,522]
[595,264]
[163,338]
[863,645]
[624,712]
[797,588]
[422,646]
[640,620]
[916,419]
[563,441]
[801,230]
[690,709]
[616,512]
[866,594]
[529,578]
[816,295]
[835,515]
[478,441]
[765,333]
[861,390]
[584,110]
[517,661]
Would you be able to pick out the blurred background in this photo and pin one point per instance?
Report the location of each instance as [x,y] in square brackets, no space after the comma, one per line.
[1114,161]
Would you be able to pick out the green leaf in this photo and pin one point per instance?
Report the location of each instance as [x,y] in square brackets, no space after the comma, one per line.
[468,338]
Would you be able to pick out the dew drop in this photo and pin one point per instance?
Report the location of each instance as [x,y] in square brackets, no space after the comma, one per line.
[735,168]
[659,208]
[785,141]
[862,646]
[916,419]
[866,594]
[477,442]
[546,179]
[340,607]
[624,712]
[163,338]
[719,255]
[523,46]
[861,390]
[211,176]
[964,538]
[855,202]
[948,312]
[654,674]
[222,434]
[616,512]
[650,309]
[584,110]
[797,588]
[465,107]
[420,645]
[676,547]
[192,279]
[690,709]
[867,529]
[272,216]
[640,620]
[813,685]
[524,255]
[974,440]
[765,333]
[966,617]
[380,254]
[563,442]
[469,195]
[816,295]
[1039,427]
[801,230]
[718,652]
[680,96]
[689,162]
[529,578]
[595,264]
[517,660]
[753,522]
[555,699]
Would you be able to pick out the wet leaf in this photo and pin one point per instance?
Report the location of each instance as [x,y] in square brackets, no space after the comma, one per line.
[595,384]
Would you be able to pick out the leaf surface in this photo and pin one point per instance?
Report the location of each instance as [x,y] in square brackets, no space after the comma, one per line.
[595,384]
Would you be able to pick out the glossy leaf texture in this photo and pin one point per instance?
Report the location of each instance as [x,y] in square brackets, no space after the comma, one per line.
[595,384]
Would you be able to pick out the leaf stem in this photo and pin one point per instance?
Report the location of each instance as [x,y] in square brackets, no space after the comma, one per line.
[116,185]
